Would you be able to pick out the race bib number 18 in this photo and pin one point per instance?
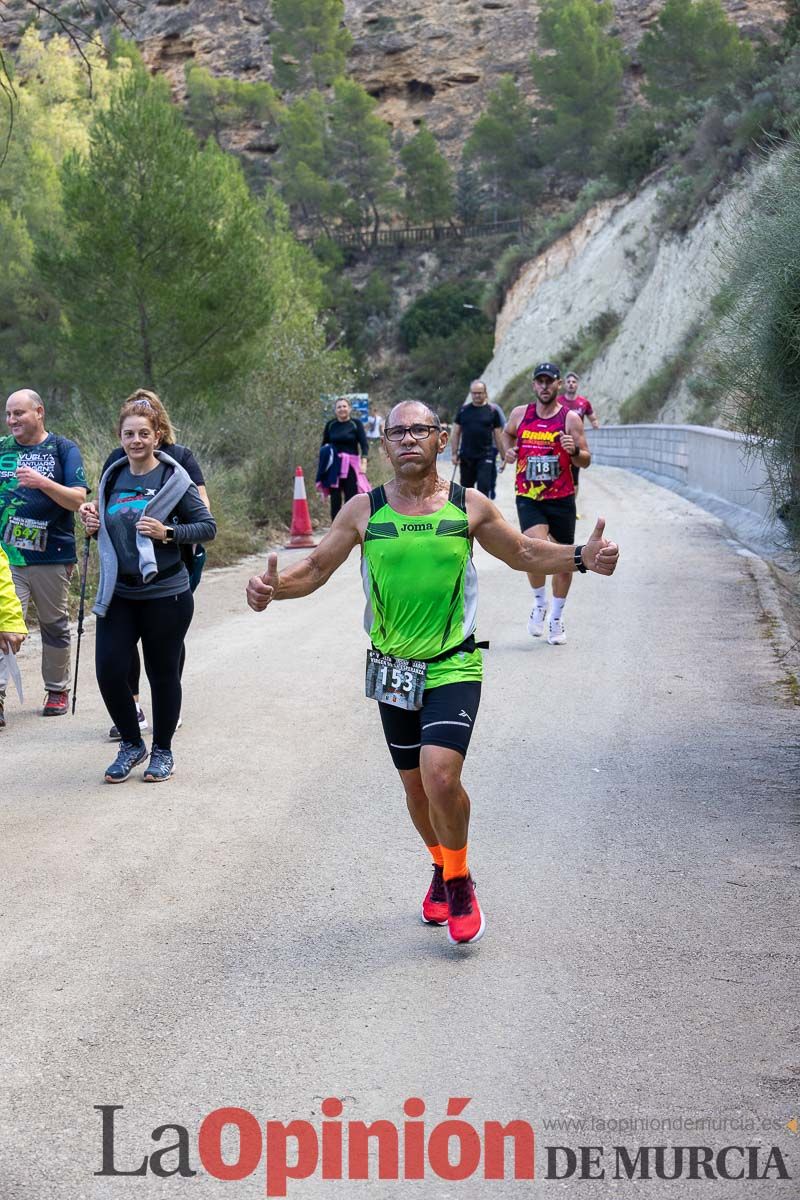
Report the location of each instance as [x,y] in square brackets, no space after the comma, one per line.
[542,468]
[397,681]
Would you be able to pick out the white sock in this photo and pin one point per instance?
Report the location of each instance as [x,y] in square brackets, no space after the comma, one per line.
[540,597]
[558,607]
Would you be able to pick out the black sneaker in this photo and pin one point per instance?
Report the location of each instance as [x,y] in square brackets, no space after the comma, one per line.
[129,756]
[161,766]
[114,734]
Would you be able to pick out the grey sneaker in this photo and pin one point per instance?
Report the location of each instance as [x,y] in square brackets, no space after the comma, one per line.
[129,756]
[161,766]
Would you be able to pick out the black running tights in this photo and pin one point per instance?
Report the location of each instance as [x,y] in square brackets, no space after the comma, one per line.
[161,625]
[135,672]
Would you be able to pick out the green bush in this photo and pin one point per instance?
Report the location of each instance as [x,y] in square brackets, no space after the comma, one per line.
[440,312]
[442,368]
[636,149]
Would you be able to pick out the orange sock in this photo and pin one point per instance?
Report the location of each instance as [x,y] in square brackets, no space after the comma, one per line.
[455,862]
[436,854]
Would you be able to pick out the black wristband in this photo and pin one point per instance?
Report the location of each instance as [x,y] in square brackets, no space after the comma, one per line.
[578,561]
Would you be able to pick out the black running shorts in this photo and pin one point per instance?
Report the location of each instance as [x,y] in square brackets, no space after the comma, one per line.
[557,515]
[446,719]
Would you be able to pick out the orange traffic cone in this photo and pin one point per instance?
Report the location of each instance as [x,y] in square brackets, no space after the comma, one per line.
[300,533]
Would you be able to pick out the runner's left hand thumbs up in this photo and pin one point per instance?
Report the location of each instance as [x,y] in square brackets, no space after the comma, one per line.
[261,589]
[599,554]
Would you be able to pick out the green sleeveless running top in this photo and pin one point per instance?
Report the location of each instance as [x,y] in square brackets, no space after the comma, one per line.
[421,586]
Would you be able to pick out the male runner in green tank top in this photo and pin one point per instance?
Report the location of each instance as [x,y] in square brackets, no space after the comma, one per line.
[416,537]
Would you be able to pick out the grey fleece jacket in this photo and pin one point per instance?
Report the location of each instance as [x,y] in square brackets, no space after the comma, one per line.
[160,507]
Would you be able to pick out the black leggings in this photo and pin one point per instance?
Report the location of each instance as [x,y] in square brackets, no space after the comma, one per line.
[348,487]
[135,672]
[162,625]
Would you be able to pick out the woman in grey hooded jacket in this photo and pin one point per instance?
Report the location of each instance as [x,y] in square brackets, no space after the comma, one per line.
[147,508]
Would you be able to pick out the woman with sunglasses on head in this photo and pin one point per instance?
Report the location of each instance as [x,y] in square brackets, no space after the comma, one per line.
[147,509]
[194,557]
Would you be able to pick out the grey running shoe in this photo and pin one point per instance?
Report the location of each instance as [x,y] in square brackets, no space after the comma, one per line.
[161,766]
[129,756]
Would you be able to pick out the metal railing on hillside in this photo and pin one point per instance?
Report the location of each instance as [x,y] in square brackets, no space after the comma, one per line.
[425,234]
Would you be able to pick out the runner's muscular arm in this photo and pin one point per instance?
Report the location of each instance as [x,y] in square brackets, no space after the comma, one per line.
[580,450]
[492,531]
[307,576]
[509,434]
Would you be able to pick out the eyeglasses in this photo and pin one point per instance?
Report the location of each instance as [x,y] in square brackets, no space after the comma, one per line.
[419,433]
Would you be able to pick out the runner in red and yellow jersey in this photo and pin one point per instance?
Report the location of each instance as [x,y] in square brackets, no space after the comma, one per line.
[546,439]
[583,407]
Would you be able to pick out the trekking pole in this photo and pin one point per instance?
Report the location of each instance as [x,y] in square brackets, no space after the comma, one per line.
[84,568]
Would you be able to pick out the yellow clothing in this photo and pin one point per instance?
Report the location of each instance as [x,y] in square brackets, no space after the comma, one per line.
[11,619]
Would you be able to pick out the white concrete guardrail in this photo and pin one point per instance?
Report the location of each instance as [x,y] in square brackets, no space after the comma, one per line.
[712,467]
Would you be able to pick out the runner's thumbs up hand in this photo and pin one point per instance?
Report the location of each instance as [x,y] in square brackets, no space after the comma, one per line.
[599,554]
[262,588]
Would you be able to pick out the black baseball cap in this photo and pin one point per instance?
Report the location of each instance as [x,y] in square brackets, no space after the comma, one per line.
[547,368]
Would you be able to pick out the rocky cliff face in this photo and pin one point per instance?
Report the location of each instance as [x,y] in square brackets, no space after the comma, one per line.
[431,59]
[617,259]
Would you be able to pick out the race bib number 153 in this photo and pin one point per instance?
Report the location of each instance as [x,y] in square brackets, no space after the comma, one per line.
[396,681]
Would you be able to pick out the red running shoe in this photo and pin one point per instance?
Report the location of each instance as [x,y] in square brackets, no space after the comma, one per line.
[465,921]
[434,906]
[56,704]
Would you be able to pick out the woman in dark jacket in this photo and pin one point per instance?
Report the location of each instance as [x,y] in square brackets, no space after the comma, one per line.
[147,509]
[346,434]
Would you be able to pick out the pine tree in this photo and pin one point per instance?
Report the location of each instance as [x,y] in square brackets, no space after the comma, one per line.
[503,148]
[580,83]
[304,168]
[311,43]
[428,179]
[165,268]
[215,103]
[360,156]
[53,112]
[691,51]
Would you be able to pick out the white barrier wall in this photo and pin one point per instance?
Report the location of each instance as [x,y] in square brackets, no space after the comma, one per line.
[713,461]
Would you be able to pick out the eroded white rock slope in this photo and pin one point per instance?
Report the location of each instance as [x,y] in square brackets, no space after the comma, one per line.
[618,258]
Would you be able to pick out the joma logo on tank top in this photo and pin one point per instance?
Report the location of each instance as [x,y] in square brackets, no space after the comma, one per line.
[415,528]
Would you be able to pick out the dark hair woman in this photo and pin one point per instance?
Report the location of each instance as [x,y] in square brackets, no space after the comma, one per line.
[346,435]
[147,509]
[194,557]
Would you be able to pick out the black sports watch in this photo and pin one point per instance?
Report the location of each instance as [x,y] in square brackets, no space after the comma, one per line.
[579,563]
